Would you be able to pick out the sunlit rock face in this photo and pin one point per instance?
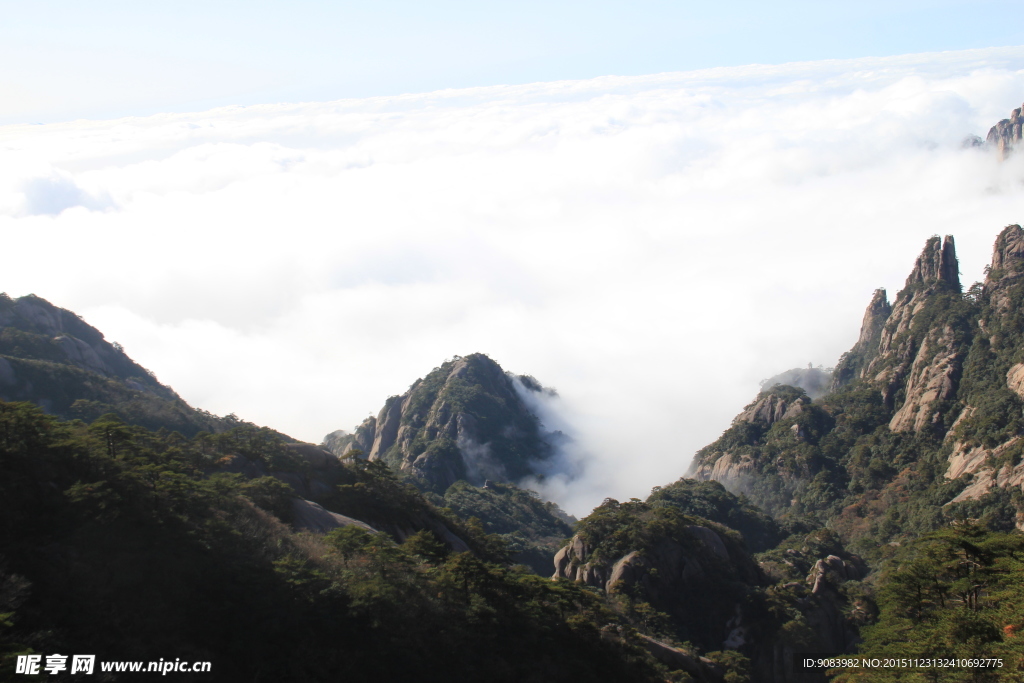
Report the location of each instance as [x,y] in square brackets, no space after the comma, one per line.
[1006,134]
[993,460]
[938,363]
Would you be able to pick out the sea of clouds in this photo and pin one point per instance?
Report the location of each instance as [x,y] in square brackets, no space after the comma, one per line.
[652,247]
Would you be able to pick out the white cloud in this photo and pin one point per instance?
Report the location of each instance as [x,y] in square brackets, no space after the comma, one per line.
[652,247]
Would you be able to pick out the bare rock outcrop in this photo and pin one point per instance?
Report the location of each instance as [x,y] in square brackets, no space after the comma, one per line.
[656,570]
[51,357]
[733,470]
[854,362]
[73,341]
[1006,135]
[309,516]
[770,409]
[1003,279]
[1006,269]
[468,419]
[924,369]
[361,439]
[934,376]
[1015,379]
[827,573]
[729,469]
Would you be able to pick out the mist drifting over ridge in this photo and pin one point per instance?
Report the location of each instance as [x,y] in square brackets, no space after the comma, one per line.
[651,247]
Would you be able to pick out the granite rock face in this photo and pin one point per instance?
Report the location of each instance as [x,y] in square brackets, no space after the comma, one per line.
[912,352]
[945,364]
[924,369]
[1006,135]
[916,372]
[309,516]
[698,573]
[468,420]
[1000,297]
[657,572]
[36,328]
[769,410]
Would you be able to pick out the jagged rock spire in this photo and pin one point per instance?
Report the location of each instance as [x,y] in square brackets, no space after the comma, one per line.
[1006,134]
[937,263]
[874,318]
[853,363]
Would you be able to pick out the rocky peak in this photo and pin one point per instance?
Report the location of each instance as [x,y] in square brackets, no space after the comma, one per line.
[53,358]
[1004,272]
[1007,255]
[999,329]
[853,363]
[935,271]
[874,318]
[937,263]
[921,362]
[1006,134]
[79,343]
[466,420]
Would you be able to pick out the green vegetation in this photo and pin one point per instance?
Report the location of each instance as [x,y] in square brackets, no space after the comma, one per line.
[132,545]
[710,500]
[533,528]
[681,589]
[953,593]
[51,357]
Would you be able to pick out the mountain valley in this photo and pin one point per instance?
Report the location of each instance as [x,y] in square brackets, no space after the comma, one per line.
[874,508]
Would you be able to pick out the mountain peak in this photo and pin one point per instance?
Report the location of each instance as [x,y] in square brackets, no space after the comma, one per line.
[465,420]
[53,358]
[1007,254]
[855,361]
[937,263]
[1006,134]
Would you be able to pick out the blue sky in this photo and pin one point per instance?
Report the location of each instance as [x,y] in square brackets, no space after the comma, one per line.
[65,59]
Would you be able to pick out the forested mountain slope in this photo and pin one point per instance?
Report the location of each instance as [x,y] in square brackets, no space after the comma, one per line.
[51,357]
[135,545]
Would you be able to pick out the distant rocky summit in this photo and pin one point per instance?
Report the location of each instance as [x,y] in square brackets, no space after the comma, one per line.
[466,420]
[815,381]
[1006,134]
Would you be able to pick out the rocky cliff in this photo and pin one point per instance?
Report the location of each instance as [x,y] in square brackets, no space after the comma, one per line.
[920,352]
[53,358]
[986,437]
[916,363]
[929,399]
[854,362]
[466,420]
[1006,134]
[912,352]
